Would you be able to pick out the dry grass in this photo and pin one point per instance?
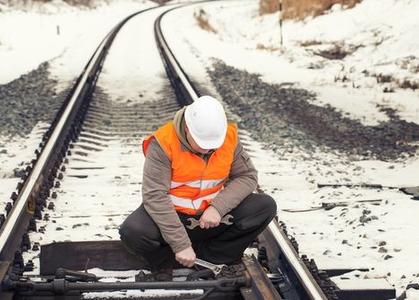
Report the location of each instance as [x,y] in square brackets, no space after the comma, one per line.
[400,83]
[299,9]
[85,3]
[309,43]
[202,19]
[384,78]
[266,48]
[337,51]
[161,2]
[407,84]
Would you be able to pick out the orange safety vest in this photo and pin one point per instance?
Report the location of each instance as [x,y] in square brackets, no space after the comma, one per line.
[194,182]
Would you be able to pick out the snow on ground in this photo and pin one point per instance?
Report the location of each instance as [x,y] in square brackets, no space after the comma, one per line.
[134,71]
[132,74]
[370,35]
[120,158]
[59,33]
[128,276]
[34,28]
[17,153]
[382,35]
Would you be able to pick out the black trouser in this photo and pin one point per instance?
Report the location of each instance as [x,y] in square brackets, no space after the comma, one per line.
[223,244]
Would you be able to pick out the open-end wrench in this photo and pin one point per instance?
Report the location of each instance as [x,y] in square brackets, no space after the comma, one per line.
[216,269]
[227,219]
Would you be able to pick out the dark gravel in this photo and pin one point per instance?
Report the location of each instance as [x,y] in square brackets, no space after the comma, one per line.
[27,100]
[282,116]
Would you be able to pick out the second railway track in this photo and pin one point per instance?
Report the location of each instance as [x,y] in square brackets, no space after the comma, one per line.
[87,178]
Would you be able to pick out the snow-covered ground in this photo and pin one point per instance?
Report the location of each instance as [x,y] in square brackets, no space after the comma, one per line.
[28,37]
[383,40]
[384,34]
[64,35]
[380,37]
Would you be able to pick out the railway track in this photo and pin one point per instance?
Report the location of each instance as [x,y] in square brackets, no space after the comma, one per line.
[94,139]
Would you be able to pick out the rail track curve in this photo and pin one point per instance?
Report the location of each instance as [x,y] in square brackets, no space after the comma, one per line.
[86,124]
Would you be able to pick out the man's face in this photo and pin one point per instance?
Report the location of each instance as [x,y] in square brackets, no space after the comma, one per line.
[193,144]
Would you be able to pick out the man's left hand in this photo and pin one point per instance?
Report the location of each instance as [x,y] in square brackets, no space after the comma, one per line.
[210,218]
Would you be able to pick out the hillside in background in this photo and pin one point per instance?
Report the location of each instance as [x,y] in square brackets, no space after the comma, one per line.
[36,4]
[299,9]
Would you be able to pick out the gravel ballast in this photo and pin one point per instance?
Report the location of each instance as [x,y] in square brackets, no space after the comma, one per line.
[27,100]
[282,116]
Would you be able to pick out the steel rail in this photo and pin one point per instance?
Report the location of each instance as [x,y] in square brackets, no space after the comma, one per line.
[85,83]
[173,67]
[63,286]
[17,210]
[306,279]
[12,230]
[175,70]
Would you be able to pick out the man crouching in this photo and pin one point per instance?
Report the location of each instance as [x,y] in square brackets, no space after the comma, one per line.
[196,167]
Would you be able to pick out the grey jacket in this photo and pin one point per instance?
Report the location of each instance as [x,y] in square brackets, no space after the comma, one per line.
[156,185]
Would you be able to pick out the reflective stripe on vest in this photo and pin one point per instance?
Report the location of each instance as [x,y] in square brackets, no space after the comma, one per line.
[194,204]
[203,184]
[194,182]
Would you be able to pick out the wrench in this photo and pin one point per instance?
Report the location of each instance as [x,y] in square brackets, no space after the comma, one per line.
[216,269]
[227,219]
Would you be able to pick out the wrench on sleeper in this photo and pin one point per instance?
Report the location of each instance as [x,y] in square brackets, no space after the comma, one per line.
[216,269]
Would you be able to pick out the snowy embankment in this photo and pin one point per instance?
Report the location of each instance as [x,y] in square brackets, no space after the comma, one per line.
[334,104]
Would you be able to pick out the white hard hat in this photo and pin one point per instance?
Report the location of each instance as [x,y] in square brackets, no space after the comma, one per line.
[207,122]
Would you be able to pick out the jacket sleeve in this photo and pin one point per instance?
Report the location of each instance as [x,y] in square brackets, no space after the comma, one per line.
[242,181]
[156,200]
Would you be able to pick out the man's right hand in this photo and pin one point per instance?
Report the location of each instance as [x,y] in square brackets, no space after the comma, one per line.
[186,257]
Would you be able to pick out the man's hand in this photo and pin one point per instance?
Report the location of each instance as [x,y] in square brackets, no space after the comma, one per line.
[210,218]
[186,257]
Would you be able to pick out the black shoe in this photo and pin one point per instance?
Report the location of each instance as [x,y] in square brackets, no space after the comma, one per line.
[165,274]
[143,277]
[200,273]
[232,270]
